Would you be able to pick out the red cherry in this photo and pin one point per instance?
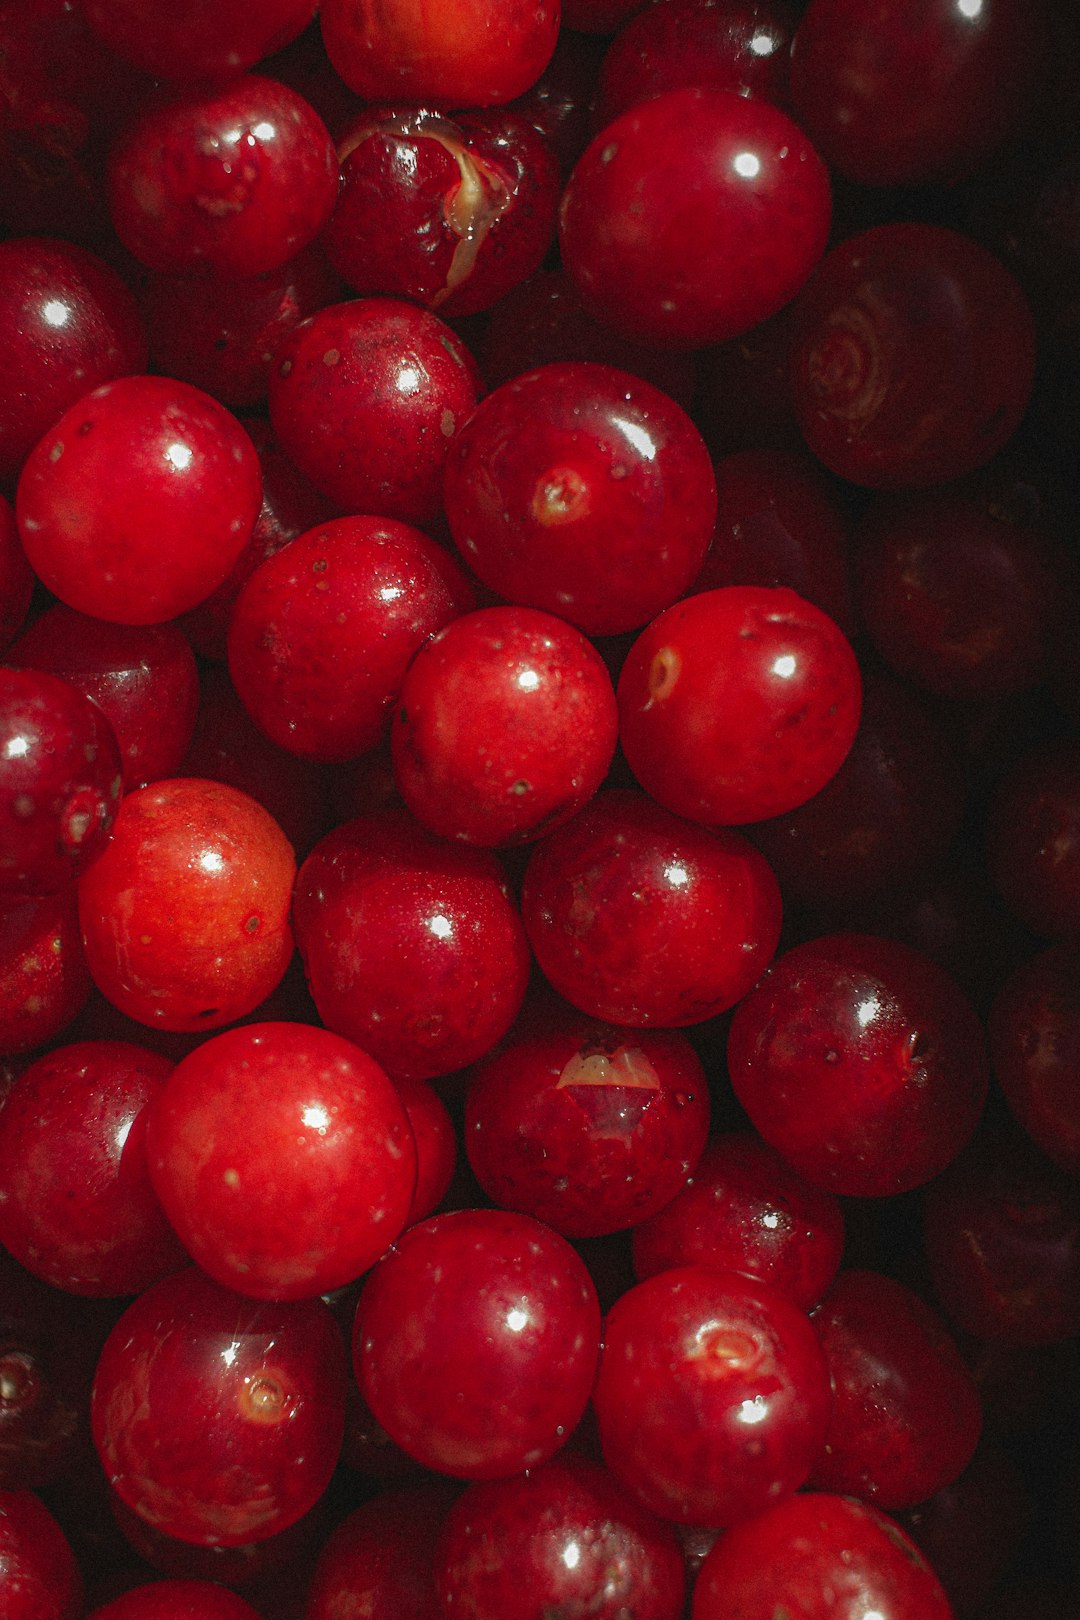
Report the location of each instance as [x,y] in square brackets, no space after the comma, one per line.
[39,1578]
[197,39]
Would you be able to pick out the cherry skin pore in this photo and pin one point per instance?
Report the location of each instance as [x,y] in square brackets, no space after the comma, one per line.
[712,1397]
[219,1419]
[39,1578]
[818,1557]
[284,1159]
[186,916]
[505,727]
[475,1342]
[638,917]
[582,490]
[138,501]
[694,216]
[861,1062]
[738,704]
[588,1127]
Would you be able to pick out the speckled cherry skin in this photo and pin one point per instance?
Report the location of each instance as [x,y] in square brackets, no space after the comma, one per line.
[379,1556]
[1034,1028]
[1001,1232]
[142,677]
[411,945]
[694,216]
[906,1413]
[638,917]
[239,177]
[284,1159]
[818,1557]
[44,980]
[712,1396]
[745,1209]
[186,918]
[913,357]
[39,1578]
[138,501]
[909,96]
[322,633]
[177,1600]
[1033,838]
[588,1127]
[560,1538]
[71,324]
[365,396]
[738,704]
[477,54]
[582,490]
[740,45]
[60,782]
[197,39]
[219,1420]
[505,726]
[78,1208]
[475,1342]
[450,212]
[860,1061]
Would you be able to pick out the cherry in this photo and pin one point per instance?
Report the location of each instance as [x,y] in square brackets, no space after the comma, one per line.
[196,39]
[972,1530]
[694,216]
[475,1342]
[380,1556]
[1033,838]
[712,1397]
[186,915]
[557,104]
[219,1419]
[638,917]
[139,500]
[436,1146]
[283,1158]
[176,1600]
[39,1579]
[44,980]
[1034,1029]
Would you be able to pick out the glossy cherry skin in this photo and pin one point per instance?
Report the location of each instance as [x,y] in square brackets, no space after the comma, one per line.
[587,1127]
[449,212]
[177,1600]
[906,1413]
[284,1159]
[861,1062]
[913,357]
[139,500]
[738,704]
[60,782]
[240,178]
[197,39]
[476,54]
[142,677]
[582,490]
[71,324]
[1001,1230]
[380,1555]
[44,980]
[745,1209]
[186,918]
[39,1578]
[323,631]
[475,1342]
[638,917]
[917,94]
[219,1420]
[78,1207]
[365,397]
[1034,1028]
[1033,838]
[526,682]
[712,1397]
[560,1538]
[818,1557]
[436,1146]
[411,945]
[694,216]
[740,45]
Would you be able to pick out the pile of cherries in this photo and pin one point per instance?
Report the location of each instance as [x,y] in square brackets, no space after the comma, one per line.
[539,810]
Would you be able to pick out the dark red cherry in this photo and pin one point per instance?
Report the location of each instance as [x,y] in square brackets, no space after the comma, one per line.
[694,216]
[557,104]
[60,782]
[972,1530]
[1033,838]
[379,1556]
[712,1396]
[861,1062]
[219,1419]
[197,39]
[1035,1050]
[638,917]
[39,1578]
[475,1342]
[44,980]
[176,1600]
